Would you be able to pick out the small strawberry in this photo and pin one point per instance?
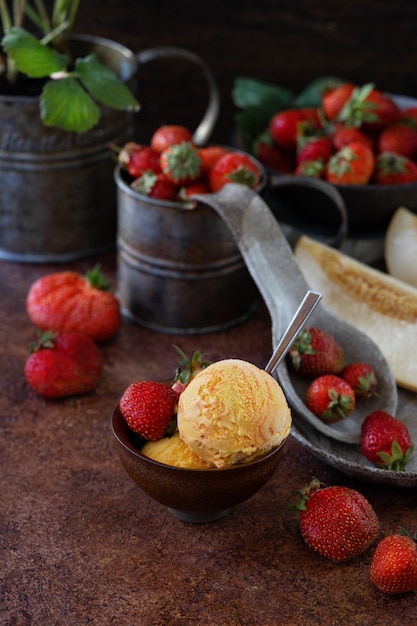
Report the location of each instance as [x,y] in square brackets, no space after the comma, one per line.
[67,301]
[369,109]
[334,99]
[344,135]
[181,163]
[148,407]
[330,398]
[361,377]
[169,135]
[314,148]
[234,167]
[337,522]
[386,441]
[209,156]
[200,187]
[352,165]
[285,126]
[137,159]
[394,169]
[315,352]
[155,186]
[187,370]
[400,139]
[394,564]
[63,364]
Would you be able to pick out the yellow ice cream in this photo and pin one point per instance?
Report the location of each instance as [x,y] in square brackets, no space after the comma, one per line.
[173,451]
[231,412]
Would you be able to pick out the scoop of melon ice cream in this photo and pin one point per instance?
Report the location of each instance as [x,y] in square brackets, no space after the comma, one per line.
[173,451]
[231,412]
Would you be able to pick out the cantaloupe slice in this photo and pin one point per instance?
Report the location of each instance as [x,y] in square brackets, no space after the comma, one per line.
[401,246]
[382,306]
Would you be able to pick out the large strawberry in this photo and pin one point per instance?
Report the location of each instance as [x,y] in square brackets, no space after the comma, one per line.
[286,126]
[330,398]
[394,564]
[169,135]
[335,99]
[68,301]
[148,407]
[369,109]
[352,165]
[394,169]
[386,441]
[234,167]
[315,352]
[63,365]
[337,522]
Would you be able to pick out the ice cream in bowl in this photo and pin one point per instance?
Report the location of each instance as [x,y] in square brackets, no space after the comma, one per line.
[232,423]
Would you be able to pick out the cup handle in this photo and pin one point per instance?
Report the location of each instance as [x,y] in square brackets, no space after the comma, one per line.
[205,128]
[328,189]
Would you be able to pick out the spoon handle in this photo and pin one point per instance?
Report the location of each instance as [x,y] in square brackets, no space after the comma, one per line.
[307,306]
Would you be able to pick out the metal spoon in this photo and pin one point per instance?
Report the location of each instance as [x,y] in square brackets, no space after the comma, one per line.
[270,261]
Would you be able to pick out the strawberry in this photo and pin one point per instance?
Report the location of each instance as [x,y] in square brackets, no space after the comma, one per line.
[369,109]
[63,364]
[209,156]
[337,522]
[330,398]
[315,352]
[409,116]
[155,186]
[400,139]
[67,301]
[181,163]
[148,407]
[361,377]
[234,167]
[335,99]
[352,165]
[343,135]
[137,159]
[170,135]
[315,168]
[394,169]
[187,370]
[285,126]
[188,191]
[386,441]
[274,157]
[394,564]
[314,148]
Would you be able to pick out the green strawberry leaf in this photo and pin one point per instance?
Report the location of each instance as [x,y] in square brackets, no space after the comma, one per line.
[248,92]
[312,95]
[103,84]
[30,56]
[65,104]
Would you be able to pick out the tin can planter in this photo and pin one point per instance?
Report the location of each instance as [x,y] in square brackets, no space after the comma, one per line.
[179,270]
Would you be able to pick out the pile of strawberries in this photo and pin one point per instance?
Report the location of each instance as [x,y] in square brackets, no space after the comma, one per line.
[173,168]
[334,390]
[73,313]
[358,136]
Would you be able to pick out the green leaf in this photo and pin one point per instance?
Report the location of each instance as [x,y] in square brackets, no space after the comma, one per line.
[312,95]
[65,104]
[30,56]
[248,92]
[104,85]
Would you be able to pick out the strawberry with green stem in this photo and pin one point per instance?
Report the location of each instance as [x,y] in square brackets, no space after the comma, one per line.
[330,398]
[148,408]
[394,169]
[315,352]
[386,441]
[234,167]
[362,378]
[394,564]
[155,186]
[188,369]
[352,165]
[181,163]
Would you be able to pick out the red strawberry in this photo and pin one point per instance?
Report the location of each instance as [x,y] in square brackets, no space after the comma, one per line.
[361,377]
[63,365]
[337,522]
[400,139]
[234,167]
[369,109]
[193,188]
[316,168]
[385,441]
[314,148]
[187,370]
[275,158]
[352,165]
[67,301]
[409,117]
[330,398]
[171,135]
[344,135]
[181,163]
[148,407]
[285,126]
[394,564]
[315,352]
[335,99]
[394,169]
[155,186]
[137,159]
[209,156]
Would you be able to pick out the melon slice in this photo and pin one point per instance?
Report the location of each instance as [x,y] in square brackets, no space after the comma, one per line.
[401,246]
[382,306]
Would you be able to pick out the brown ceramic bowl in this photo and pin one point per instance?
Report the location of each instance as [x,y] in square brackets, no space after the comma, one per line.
[191,495]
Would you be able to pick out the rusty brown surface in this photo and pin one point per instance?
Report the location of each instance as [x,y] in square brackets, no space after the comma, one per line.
[81,544]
